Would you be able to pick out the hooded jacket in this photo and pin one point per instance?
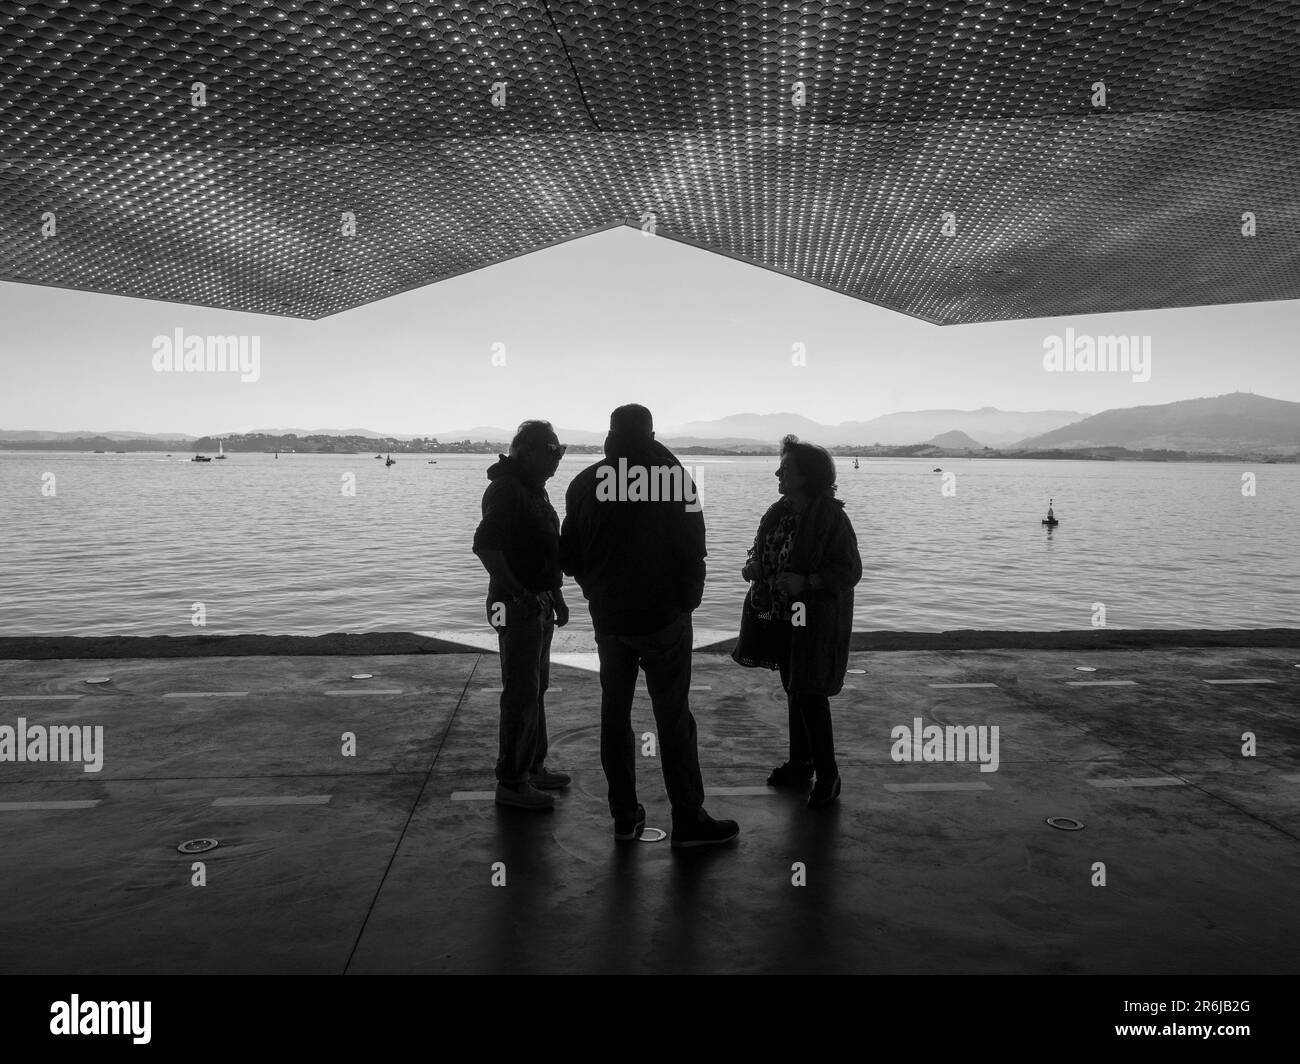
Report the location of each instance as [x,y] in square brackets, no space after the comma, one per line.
[639,561]
[519,520]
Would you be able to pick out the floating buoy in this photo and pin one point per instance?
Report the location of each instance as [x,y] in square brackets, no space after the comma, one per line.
[1050,520]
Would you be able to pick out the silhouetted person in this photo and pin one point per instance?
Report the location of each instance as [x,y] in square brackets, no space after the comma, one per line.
[518,542]
[639,558]
[798,615]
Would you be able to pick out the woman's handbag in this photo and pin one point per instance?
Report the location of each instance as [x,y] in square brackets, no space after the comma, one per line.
[763,644]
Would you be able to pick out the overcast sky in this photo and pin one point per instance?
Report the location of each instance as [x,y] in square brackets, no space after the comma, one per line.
[613,318]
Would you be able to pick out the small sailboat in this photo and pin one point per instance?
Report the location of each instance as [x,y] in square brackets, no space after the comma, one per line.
[1050,520]
[221,451]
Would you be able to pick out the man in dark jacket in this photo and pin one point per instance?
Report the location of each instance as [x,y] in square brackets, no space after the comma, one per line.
[518,542]
[633,538]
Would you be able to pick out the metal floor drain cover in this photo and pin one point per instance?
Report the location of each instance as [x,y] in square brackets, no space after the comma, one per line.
[653,835]
[858,672]
[1065,823]
[100,679]
[197,845]
[1084,668]
[363,676]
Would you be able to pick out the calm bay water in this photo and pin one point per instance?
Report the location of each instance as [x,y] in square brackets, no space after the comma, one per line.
[130,542]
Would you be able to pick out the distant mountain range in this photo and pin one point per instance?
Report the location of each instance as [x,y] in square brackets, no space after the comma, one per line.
[1239,423]
[36,436]
[172,437]
[990,426]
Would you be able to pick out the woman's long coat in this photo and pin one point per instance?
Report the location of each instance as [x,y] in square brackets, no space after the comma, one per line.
[825,544]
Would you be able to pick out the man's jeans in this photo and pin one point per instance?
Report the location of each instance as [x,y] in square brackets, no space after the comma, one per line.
[525,645]
[666,657]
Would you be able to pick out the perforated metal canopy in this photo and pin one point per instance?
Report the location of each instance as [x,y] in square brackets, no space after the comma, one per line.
[959,162]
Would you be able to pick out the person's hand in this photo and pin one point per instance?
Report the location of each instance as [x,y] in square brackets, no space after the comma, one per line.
[520,604]
[791,583]
[561,609]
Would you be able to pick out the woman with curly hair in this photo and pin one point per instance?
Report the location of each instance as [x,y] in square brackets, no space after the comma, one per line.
[798,615]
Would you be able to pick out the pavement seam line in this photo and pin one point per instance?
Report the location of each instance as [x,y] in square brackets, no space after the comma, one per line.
[411,815]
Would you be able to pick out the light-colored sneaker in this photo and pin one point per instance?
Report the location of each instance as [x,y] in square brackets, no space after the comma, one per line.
[548,780]
[525,796]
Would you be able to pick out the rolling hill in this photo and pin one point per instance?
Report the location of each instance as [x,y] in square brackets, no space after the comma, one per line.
[1225,424]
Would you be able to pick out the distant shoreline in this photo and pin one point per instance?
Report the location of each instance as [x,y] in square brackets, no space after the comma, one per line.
[919,451]
[43,648]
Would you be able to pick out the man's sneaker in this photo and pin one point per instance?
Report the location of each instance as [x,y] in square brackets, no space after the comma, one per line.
[788,775]
[824,793]
[548,780]
[702,830]
[629,828]
[525,796]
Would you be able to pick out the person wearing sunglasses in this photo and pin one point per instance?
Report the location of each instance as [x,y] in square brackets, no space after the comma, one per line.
[518,542]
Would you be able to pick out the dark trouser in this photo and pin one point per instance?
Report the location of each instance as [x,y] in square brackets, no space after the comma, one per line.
[666,657]
[525,644]
[811,736]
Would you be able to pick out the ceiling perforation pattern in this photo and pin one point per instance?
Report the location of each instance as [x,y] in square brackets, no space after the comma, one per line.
[909,109]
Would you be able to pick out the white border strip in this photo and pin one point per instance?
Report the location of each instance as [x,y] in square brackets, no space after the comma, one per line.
[206,694]
[360,693]
[38,698]
[276,799]
[1142,781]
